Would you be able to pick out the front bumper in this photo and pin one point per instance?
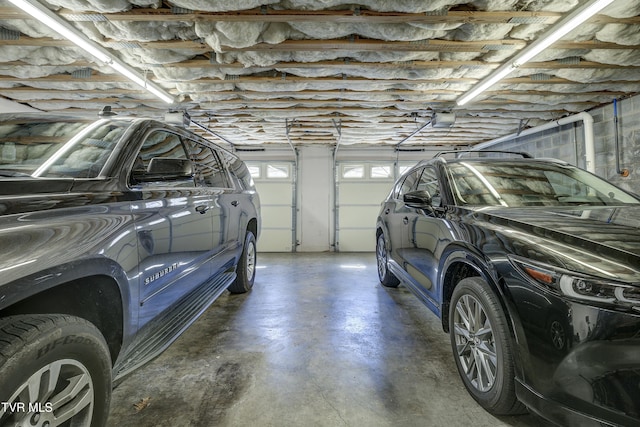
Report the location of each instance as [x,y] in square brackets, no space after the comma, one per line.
[571,412]
[579,364]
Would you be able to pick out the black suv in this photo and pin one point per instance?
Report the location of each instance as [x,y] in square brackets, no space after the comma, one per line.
[116,234]
[533,266]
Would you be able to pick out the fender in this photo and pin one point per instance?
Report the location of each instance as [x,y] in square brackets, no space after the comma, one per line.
[381,225]
[469,255]
[459,252]
[35,283]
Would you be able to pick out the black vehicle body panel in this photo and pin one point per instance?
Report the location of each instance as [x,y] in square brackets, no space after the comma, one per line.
[577,362]
[158,244]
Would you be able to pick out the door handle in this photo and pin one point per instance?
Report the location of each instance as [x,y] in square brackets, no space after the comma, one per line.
[405,220]
[202,209]
[235,203]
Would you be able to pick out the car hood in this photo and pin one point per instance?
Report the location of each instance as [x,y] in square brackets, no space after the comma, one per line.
[580,239]
[20,196]
[26,187]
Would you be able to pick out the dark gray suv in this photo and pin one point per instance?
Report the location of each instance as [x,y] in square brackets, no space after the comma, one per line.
[116,234]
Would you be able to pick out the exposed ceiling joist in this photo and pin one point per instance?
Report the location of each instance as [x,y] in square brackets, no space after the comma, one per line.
[249,71]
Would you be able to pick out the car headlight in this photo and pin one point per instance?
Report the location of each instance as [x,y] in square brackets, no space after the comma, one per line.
[581,287]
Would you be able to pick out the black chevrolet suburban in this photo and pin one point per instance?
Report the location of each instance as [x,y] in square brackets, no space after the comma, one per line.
[116,234]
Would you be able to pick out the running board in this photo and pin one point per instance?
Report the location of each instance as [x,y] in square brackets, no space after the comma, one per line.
[173,323]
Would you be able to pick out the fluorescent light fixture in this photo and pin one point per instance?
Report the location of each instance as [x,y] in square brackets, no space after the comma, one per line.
[499,74]
[140,81]
[69,32]
[160,93]
[558,31]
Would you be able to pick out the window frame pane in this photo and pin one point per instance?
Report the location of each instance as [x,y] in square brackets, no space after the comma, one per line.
[280,167]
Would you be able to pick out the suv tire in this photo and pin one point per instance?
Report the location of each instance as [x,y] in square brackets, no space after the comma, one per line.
[382,260]
[246,269]
[65,359]
[482,347]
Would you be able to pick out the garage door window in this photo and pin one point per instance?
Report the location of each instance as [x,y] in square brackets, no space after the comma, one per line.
[278,171]
[255,171]
[381,171]
[353,171]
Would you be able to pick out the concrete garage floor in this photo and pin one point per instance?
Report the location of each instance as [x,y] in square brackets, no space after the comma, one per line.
[317,342]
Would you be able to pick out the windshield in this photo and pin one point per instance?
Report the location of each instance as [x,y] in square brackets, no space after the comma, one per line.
[60,149]
[517,184]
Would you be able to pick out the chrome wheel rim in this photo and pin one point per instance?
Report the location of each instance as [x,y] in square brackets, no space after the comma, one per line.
[250,266]
[381,256]
[60,393]
[475,344]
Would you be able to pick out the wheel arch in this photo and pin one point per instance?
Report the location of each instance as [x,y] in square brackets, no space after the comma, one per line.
[382,229]
[100,297]
[459,262]
[252,225]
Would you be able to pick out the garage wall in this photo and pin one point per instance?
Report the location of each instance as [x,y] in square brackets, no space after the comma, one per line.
[567,143]
[315,198]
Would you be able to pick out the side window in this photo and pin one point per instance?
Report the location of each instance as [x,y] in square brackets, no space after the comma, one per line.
[163,160]
[241,174]
[408,184]
[429,182]
[208,169]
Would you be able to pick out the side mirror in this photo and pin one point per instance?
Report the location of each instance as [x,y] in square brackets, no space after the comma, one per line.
[165,169]
[419,199]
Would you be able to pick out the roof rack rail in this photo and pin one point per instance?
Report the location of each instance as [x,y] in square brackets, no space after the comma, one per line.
[460,153]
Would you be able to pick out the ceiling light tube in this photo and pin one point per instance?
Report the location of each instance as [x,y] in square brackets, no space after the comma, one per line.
[558,31]
[127,72]
[499,74]
[159,93]
[140,80]
[69,32]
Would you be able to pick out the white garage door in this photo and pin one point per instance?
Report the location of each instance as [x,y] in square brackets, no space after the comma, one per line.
[360,189]
[274,182]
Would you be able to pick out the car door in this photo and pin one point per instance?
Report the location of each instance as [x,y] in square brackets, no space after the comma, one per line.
[174,223]
[394,214]
[213,179]
[425,236]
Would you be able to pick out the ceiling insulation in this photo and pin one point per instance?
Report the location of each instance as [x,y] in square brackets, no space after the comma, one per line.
[326,71]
